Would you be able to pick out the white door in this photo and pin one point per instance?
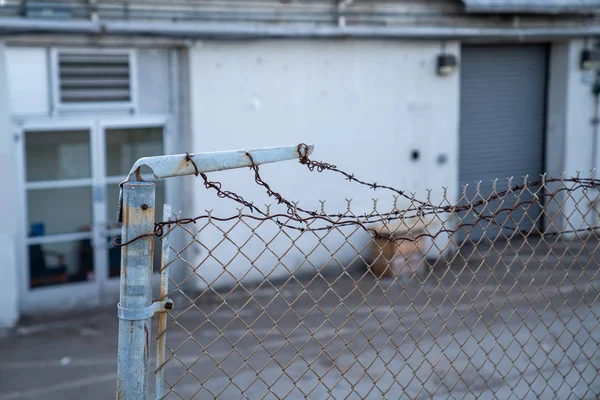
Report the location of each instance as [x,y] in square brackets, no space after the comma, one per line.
[70,177]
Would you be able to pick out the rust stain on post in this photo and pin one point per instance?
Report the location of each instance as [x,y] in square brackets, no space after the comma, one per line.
[184,164]
[162,320]
[139,215]
[119,391]
[147,345]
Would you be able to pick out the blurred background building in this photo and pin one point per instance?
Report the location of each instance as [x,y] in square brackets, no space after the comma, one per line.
[417,94]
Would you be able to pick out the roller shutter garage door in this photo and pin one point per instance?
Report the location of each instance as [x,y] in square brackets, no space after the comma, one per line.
[502,123]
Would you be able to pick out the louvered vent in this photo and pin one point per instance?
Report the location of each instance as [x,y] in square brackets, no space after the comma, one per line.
[94,78]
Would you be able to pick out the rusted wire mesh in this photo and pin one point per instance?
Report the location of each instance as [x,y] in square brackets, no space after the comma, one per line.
[495,296]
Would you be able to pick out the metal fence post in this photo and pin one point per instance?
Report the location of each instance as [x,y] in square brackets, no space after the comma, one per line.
[162,317]
[135,303]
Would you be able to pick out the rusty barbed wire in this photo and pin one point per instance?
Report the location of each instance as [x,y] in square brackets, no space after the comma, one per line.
[300,219]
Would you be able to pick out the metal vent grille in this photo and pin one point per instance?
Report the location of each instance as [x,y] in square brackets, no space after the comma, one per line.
[94,78]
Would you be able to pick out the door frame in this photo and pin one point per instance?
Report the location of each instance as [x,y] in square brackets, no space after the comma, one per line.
[103,290]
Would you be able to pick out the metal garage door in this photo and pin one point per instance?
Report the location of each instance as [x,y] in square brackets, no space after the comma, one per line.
[502,121]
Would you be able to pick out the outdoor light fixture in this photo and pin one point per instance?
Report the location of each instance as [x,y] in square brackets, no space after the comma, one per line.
[446,64]
[590,59]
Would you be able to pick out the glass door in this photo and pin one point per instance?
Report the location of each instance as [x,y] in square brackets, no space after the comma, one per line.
[71,172]
[124,142]
[59,258]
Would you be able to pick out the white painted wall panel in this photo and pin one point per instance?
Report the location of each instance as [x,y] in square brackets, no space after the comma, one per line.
[570,140]
[364,104]
[154,91]
[579,138]
[28,81]
[558,72]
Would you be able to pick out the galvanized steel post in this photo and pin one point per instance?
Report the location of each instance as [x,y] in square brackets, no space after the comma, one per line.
[135,303]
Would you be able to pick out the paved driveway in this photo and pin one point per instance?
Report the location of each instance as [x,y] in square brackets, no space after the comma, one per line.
[508,321]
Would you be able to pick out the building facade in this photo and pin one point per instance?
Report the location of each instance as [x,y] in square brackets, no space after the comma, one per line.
[419,94]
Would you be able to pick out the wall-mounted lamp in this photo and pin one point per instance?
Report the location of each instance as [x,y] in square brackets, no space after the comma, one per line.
[590,59]
[446,64]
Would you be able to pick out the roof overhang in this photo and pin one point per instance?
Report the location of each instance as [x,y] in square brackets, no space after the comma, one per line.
[532,6]
[12,27]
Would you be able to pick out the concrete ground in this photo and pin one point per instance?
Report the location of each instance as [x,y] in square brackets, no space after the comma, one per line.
[510,322]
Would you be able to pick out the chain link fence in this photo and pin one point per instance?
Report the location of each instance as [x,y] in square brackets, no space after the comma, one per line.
[493,296]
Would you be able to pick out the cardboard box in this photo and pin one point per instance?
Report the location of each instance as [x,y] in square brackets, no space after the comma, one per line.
[399,249]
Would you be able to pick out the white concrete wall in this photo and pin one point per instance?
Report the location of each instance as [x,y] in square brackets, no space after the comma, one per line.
[365,105]
[9,295]
[570,135]
[28,65]
[558,72]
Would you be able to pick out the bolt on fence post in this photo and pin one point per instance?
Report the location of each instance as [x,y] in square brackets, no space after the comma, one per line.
[136,290]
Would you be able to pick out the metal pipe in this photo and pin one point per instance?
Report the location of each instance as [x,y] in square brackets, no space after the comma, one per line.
[535,7]
[245,30]
[22,25]
[135,301]
[162,317]
[192,31]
